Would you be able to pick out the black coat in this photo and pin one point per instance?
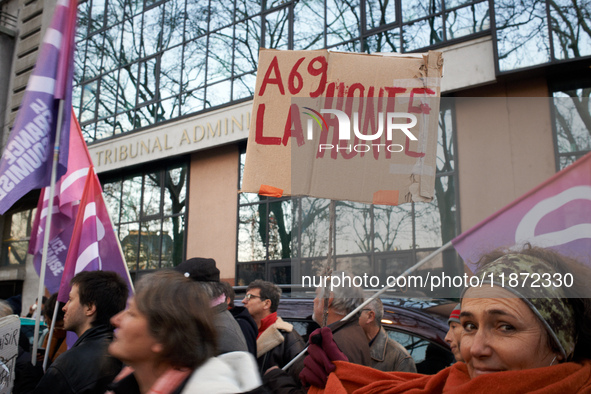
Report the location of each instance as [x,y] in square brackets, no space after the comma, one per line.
[248,326]
[86,368]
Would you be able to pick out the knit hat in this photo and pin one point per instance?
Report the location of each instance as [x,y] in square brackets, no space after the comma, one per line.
[548,303]
[199,269]
[454,316]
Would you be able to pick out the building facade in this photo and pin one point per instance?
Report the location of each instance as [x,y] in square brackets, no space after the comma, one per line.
[163,92]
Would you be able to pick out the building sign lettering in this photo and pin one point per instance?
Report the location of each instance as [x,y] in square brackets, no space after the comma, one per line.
[182,137]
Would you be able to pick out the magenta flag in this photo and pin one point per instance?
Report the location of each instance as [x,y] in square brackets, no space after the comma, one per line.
[68,193]
[94,245]
[26,162]
[556,214]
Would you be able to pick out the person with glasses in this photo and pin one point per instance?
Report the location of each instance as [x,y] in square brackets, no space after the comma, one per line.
[277,341]
[386,354]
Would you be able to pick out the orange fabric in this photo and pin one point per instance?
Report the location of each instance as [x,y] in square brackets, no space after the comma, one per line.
[53,352]
[562,378]
[386,197]
[270,191]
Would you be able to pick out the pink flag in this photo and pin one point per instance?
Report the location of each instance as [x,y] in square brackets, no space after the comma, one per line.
[556,214]
[68,192]
[94,245]
[26,162]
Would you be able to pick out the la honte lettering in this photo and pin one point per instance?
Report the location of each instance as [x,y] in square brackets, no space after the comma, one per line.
[341,97]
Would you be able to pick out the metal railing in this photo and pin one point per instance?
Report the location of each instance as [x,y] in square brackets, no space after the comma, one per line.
[7,20]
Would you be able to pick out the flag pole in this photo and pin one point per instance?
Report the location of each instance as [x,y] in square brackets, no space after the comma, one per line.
[50,335]
[376,295]
[56,151]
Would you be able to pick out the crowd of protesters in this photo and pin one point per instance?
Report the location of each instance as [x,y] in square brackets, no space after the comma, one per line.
[180,332]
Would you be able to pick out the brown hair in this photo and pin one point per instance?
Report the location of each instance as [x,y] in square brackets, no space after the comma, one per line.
[179,317]
[269,291]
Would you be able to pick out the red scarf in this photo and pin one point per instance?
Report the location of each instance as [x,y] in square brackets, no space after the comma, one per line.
[562,378]
[267,322]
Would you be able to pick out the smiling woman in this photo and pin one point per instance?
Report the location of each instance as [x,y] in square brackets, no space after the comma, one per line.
[523,336]
[501,333]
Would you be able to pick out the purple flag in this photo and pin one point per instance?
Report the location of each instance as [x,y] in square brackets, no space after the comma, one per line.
[94,245]
[556,214]
[27,158]
[64,209]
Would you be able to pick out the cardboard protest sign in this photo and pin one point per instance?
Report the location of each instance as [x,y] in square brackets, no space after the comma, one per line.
[344,126]
[9,334]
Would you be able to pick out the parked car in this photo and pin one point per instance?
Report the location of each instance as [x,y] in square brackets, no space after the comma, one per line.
[419,324]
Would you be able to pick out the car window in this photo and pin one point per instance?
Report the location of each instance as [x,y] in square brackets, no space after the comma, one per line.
[416,346]
[304,327]
[429,357]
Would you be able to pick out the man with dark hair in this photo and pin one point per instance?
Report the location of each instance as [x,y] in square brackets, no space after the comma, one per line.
[277,341]
[96,296]
[207,275]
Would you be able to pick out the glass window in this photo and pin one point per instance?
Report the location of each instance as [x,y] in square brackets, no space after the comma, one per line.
[247,46]
[94,54]
[379,13]
[127,88]
[353,228]
[172,27]
[194,64]
[571,35]
[249,272]
[468,20]
[104,128]
[244,86]
[170,73]
[179,57]
[222,14]
[277,29]
[572,124]
[196,19]
[149,213]
[17,232]
[219,60]
[522,33]
[132,40]
[413,10]
[388,41]
[97,14]
[88,106]
[247,8]
[154,38]
[192,101]
[422,34]
[308,22]
[111,48]
[108,94]
[366,238]
[83,19]
[342,21]
[218,94]
[147,89]
[418,347]
[114,11]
